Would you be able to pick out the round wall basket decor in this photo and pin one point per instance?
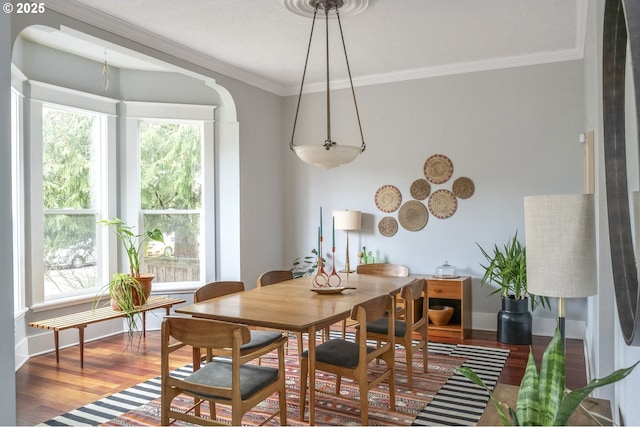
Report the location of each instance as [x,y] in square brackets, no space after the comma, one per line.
[443,204]
[388,198]
[413,215]
[388,226]
[463,188]
[438,169]
[420,189]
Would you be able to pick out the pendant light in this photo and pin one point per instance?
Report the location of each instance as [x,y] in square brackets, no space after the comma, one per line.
[330,154]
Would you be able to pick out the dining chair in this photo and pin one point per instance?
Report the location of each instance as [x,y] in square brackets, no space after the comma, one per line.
[415,322]
[227,380]
[351,359]
[218,289]
[381,269]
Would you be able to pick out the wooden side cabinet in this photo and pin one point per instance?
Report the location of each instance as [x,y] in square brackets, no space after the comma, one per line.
[454,292]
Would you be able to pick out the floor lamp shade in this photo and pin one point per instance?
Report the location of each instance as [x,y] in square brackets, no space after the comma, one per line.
[560,245]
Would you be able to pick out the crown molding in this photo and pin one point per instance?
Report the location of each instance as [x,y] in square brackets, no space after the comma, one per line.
[103,21]
[166,46]
[446,70]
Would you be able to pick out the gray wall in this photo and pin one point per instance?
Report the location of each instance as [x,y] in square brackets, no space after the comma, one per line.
[514,132]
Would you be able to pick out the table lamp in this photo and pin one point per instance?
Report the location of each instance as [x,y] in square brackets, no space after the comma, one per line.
[347,221]
[561,248]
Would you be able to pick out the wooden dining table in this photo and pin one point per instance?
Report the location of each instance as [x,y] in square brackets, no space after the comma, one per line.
[293,306]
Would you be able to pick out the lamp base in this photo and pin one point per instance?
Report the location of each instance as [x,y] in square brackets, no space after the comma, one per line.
[346,271]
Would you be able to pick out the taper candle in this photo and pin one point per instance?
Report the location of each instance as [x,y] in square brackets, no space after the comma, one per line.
[333,231]
[320,222]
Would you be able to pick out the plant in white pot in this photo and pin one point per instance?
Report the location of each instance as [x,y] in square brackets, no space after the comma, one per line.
[133,245]
[507,268]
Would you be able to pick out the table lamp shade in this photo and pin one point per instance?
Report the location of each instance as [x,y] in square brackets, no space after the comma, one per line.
[560,245]
[347,220]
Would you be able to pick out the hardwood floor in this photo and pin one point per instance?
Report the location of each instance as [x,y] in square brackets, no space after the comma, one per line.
[45,389]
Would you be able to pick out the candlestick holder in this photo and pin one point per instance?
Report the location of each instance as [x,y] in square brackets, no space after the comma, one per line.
[334,279]
[321,279]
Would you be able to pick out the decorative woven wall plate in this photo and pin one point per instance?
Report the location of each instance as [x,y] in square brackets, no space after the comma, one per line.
[413,215]
[388,226]
[420,189]
[438,169]
[388,198]
[442,204]
[463,188]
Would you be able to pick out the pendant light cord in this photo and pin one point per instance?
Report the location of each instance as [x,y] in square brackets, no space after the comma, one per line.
[304,73]
[353,92]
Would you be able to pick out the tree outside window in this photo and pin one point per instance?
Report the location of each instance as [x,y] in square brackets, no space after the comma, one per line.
[171,196]
[71,187]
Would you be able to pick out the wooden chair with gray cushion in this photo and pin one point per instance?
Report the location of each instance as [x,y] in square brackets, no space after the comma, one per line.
[229,380]
[382,269]
[415,322]
[218,289]
[351,359]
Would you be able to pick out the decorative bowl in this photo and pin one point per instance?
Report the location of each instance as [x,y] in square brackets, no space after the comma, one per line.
[440,315]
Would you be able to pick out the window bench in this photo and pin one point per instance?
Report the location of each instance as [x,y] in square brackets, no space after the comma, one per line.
[84,318]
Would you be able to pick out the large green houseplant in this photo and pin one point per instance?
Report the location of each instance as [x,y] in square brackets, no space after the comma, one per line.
[542,398]
[507,268]
[133,243]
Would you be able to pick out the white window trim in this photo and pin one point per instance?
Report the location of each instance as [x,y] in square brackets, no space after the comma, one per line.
[132,112]
[17,176]
[44,93]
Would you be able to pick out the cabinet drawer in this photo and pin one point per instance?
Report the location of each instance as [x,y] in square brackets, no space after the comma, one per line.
[444,290]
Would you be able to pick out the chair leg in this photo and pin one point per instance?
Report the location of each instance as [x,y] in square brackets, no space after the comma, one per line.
[282,400]
[364,401]
[304,373]
[338,384]
[408,349]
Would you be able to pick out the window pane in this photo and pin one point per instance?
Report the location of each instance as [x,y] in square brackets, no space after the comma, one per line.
[70,253]
[71,189]
[178,259]
[68,158]
[171,165]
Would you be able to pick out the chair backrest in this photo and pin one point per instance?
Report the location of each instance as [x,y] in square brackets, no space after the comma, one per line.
[217,289]
[204,333]
[383,269]
[414,294]
[274,276]
[373,309]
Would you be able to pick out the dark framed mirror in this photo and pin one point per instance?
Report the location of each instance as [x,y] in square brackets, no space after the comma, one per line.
[621,35]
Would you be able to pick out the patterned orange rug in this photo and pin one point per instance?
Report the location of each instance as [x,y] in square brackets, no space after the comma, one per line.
[330,409]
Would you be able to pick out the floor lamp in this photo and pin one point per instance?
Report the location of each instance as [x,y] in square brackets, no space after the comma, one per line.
[561,248]
[348,221]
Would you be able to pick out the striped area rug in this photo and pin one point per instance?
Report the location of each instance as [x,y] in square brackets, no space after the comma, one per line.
[458,402]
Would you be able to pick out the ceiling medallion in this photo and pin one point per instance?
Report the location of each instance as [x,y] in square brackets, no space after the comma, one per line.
[307,7]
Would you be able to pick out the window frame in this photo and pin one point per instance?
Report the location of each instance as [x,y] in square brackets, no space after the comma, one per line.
[132,113]
[69,99]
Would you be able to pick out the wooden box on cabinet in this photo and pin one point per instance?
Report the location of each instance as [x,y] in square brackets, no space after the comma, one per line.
[455,292]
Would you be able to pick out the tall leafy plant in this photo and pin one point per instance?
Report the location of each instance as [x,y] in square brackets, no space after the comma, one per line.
[132,242]
[542,398]
[507,268]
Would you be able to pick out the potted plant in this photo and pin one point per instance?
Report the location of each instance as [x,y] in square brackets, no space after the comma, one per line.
[507,268]
[133,244]
[542,398]
[126,293]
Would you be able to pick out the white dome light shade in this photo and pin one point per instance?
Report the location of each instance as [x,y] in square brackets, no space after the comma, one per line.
[318,155]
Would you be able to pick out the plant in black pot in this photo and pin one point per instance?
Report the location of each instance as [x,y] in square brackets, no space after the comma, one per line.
[507,268]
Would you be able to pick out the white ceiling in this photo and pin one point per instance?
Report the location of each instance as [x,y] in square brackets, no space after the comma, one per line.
[263,43]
